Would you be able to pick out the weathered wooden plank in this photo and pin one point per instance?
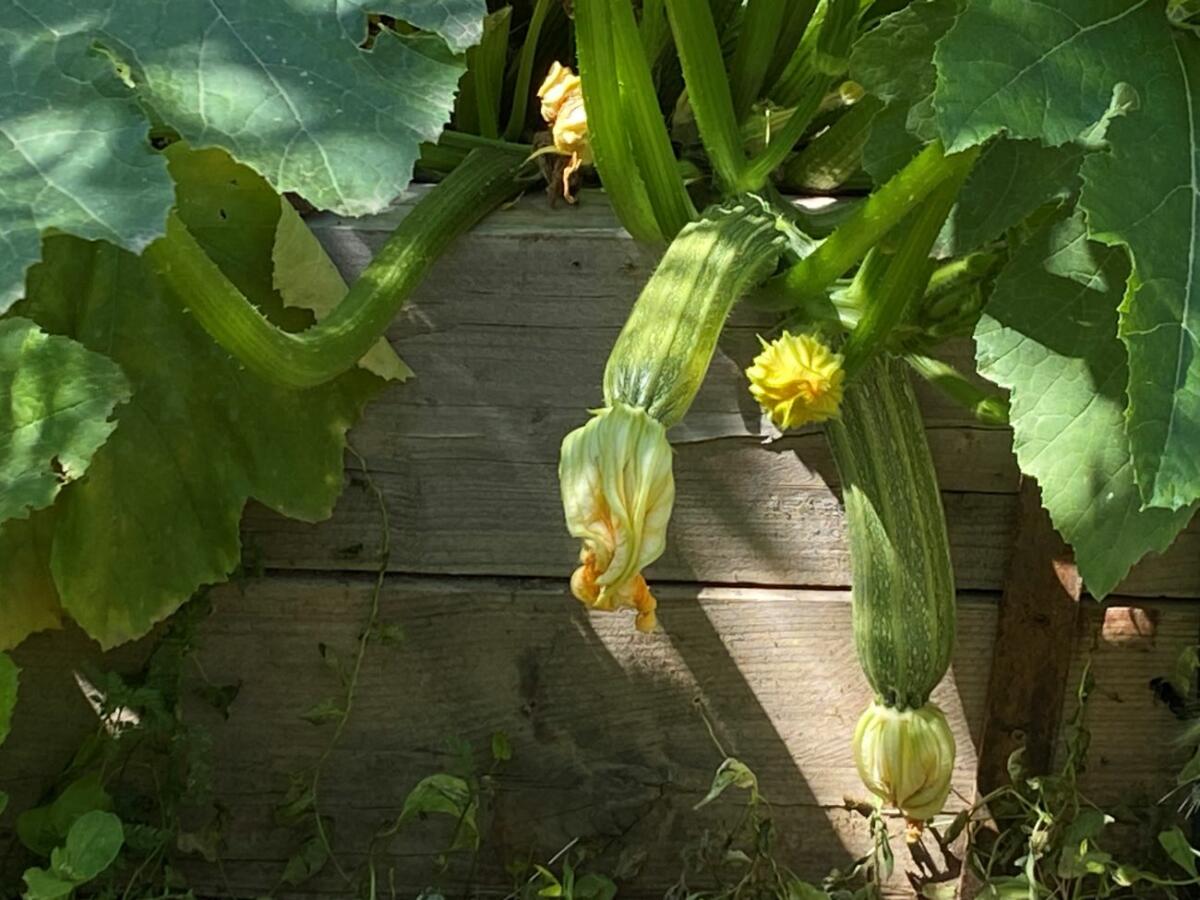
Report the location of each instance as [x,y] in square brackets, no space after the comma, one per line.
[1035,638]
[1134,753]
[608,745]
[607,739]
[467,452]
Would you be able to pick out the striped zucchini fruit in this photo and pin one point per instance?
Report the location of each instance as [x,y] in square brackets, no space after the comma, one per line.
[615,472]
[904,601]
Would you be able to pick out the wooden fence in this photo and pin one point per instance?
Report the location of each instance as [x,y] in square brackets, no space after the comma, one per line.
[508,339]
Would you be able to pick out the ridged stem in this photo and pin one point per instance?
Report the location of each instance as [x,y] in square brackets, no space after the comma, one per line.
[889,286]
[612,146]
[484,180]
[647,131]
[822,55]
[524,85]
[754,50]
[699,49]
[988,407]
[877,215]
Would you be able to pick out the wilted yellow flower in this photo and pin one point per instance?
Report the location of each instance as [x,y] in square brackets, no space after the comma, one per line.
[617,493]
[906,758]
[797,380]
[562,108]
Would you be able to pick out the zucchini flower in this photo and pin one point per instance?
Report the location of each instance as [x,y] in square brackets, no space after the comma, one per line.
[562,109]
[617,492]
[906,758]
[797,380]
[615,472]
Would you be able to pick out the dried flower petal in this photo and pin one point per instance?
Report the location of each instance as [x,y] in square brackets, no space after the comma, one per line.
[563,110]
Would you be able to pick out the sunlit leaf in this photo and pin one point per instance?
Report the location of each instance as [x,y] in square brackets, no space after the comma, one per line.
[1049,335]
[286,86]
[56,399]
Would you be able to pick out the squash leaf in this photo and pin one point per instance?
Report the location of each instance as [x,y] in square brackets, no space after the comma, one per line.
[1049,334]
[286,86]
[1117,72]
[894,62]
[158,513]
[55,401]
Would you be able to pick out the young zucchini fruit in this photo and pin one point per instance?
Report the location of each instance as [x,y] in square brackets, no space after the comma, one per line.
[615,472]
[904,601]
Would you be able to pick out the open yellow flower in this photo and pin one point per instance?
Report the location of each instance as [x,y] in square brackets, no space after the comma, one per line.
[617,493]
[797,380]
[562,109]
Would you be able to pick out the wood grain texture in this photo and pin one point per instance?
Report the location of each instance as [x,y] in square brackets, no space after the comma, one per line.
[608,744]
[509,337]
[1035,641]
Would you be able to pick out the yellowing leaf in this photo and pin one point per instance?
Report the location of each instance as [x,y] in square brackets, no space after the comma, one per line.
[306,277]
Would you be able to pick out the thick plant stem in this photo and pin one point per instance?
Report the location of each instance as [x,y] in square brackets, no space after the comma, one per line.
[822,56]
[890,285]
[989,407]
[791,33]
[648,133]
[521,90]
[612,146]
[878,215]
[484,180]
[755,48]
[700,56]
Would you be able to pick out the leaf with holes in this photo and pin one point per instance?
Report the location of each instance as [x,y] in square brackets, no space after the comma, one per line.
[56,398]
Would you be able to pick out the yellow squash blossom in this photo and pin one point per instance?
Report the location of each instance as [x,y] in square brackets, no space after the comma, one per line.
[617,493]
[906,758]
[562,109]
[797,380]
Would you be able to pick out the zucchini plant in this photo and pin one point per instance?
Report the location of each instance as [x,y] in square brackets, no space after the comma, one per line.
[1010,193]
[173,341]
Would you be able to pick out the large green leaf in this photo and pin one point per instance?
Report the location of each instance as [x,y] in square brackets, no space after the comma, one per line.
[73,148]
[1010,181]
[157,514]
[1058,72]
[894,62]
[460,22]
[9,675]
[1049,334]
[1145,195]
[1048,71]
[28,598]
[55,401]
[284,85]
